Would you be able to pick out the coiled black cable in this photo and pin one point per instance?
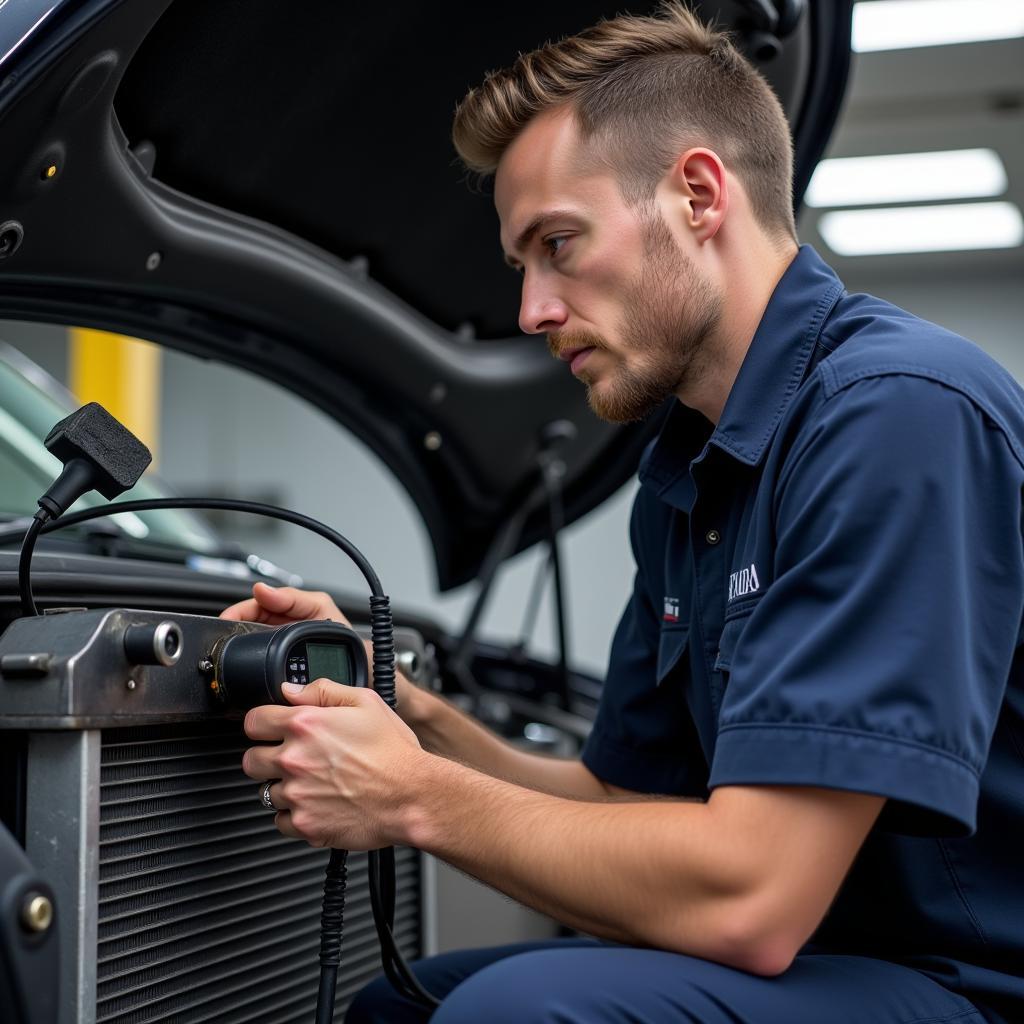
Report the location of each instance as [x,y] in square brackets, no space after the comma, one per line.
[382,635]
[381,862]
[331,928]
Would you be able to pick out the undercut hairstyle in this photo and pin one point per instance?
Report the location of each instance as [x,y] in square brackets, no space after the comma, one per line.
[642,91]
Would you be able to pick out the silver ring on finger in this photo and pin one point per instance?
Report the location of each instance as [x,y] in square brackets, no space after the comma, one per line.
[265,795]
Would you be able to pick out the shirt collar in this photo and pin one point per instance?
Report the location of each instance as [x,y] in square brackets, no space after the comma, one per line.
[771,372]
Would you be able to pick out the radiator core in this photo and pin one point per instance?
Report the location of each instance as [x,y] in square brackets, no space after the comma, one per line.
[189,905]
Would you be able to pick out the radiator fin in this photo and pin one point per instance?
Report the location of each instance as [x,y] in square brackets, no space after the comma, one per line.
[206,912]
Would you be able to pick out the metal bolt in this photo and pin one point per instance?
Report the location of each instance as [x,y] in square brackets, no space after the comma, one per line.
[36,912]
[153,260]
[205,665]
[131,684]
[713,536]
[432,441]
[408,663]
[11,234]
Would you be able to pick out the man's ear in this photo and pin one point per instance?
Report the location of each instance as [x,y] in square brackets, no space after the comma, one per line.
[700,192]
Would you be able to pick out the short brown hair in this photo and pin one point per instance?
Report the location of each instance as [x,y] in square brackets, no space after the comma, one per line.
[644,89]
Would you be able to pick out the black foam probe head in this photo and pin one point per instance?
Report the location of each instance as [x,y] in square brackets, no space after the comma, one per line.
[98,452]
[91,433]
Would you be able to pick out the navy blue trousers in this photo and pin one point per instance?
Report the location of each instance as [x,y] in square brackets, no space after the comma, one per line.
[580,981]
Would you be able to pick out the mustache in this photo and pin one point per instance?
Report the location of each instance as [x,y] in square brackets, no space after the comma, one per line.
[565,341]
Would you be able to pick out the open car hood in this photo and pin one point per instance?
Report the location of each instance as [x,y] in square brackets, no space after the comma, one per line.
[274,186]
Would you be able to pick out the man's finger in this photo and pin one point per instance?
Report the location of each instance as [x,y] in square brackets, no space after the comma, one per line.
[294,603]
[250,610]
[267,722]
[283,821]
[243,611]
[325,694]
[258,763]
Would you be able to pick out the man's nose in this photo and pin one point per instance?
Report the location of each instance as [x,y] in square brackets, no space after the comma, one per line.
[540,310]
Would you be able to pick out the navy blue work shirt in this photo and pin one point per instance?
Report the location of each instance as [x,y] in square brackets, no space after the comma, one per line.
[829,592]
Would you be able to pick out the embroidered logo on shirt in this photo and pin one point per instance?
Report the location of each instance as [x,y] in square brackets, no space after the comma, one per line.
[743,582]
[671,609]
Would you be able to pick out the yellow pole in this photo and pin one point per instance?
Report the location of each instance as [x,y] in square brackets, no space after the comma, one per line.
[123,375]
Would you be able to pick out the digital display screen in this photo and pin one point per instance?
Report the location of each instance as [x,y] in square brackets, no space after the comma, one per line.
[329,661]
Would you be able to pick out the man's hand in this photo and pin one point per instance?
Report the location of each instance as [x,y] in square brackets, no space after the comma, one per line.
[277,606]
[440,727]
[346,764]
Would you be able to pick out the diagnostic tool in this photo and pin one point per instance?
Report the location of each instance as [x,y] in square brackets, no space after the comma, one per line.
[249,668]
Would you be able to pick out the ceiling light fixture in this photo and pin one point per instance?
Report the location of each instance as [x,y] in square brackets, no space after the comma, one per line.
[909,229]
[907,178]
[902,24]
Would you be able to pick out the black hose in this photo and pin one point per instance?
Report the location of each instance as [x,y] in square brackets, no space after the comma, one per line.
[228,505]
[395,968]
[28,602]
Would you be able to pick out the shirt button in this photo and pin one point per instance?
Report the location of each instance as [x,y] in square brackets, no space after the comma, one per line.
[712,536]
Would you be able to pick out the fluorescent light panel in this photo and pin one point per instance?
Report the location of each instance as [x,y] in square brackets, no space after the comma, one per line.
[902,24]
[907,178]
[909,229]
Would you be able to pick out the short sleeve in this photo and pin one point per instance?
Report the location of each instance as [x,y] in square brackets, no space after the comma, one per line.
[878,657]
[643,736]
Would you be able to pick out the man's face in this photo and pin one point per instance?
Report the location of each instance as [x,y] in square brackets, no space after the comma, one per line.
[609,284]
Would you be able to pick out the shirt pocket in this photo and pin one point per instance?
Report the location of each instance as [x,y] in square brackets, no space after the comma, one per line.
[671,648]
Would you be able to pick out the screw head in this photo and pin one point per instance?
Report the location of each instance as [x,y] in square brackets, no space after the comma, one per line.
[131,684]
[432,441]
[36,913]
[153,260]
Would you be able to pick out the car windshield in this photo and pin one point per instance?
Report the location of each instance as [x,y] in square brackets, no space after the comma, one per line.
[31,402]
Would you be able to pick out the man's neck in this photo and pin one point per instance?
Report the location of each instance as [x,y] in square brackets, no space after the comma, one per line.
[751,280]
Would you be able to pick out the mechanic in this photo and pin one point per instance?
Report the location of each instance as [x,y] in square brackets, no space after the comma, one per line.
[816,671]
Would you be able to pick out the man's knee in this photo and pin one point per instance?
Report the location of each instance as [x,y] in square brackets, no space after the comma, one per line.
[366,1007]
[549,987]
[379,1003]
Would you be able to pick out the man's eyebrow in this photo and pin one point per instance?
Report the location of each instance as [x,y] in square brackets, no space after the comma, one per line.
[530,230]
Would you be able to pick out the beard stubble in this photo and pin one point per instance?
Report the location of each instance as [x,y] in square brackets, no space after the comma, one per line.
[669,313]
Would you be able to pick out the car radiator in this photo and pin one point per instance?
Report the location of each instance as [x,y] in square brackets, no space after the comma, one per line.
[205,912]
[176,897]
[180,899]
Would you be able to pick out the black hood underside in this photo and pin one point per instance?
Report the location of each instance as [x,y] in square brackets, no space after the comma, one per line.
[274,186]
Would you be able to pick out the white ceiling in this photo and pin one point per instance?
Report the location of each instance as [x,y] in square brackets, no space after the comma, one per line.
[934,98]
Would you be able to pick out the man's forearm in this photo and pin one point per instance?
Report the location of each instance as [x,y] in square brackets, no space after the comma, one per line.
[444,729]
[586,864]
[743,879]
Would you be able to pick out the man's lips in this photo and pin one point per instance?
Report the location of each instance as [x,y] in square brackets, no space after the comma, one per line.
[576,357]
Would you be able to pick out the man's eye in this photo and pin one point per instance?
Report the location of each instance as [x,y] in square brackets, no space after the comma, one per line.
[553,245]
